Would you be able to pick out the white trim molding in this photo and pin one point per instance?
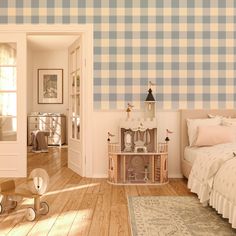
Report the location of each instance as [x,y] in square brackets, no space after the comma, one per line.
[87,31]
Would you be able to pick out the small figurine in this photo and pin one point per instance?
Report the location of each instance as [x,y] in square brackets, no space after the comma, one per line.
[109,135]
[128,110]
[150,103]
[167,135]
[145,173]
[131,174]
[151,84]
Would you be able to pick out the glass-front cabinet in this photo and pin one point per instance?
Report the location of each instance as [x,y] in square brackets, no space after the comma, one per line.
[75,115]
[8,92]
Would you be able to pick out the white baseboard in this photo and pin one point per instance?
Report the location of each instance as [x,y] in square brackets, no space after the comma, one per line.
[172,176]
[175,176]
[74,167]
[101,176]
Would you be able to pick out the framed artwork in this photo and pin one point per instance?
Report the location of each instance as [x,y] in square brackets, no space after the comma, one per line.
[50,86]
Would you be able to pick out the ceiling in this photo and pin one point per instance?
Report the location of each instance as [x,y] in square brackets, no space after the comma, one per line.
[50,42]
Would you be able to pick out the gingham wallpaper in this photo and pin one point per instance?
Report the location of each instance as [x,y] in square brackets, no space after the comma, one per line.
[186,47]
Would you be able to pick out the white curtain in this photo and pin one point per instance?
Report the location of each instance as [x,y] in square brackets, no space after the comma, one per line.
[7,79]
[7,54]
[7,83]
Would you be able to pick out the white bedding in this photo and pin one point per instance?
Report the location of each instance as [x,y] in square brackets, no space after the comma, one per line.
[191,153]
[206,165]
[223,193]
[212,166]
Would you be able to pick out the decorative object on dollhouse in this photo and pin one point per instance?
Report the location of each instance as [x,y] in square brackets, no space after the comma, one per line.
[109,136]
[150,103]
[151,84]
[129,109]
[167,135]
[146,172]
[141,140]
[131,175]
[128,136]
[137,163]
[138,136]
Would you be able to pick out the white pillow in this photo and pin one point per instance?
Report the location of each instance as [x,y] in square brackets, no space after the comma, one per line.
[229,121]
[214,134]
[193,124]
[216,116]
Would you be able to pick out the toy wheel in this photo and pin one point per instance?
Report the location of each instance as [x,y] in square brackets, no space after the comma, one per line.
[30,214]
[1,208]
[44,208]
[14,204]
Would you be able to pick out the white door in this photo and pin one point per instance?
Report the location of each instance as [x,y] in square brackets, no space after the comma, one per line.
[13,155]
[75,119]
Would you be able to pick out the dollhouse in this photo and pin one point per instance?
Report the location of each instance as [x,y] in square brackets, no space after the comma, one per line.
[138,158]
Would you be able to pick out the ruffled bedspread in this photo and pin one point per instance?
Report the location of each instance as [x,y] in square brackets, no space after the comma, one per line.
[223,194]
[206,166]
[213,179]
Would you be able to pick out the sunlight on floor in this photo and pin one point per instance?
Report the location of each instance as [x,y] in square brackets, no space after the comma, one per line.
[76,218]
[70,198]
[78,224]
[81,221]
[71,189]
[10,218]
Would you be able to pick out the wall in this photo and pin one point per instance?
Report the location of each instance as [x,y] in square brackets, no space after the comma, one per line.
[46,60]
[109,121]
[187,47]
[50,60]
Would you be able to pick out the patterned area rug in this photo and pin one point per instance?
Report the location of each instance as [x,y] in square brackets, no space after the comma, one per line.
[175,216]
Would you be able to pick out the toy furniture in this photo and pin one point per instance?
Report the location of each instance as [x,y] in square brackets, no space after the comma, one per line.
[37,186]
[137,168]
[138,157]
[54,124]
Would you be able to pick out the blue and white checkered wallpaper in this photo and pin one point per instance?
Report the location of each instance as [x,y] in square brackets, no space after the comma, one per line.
[186,47]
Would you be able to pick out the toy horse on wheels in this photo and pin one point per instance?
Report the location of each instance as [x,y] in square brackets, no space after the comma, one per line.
[37,185]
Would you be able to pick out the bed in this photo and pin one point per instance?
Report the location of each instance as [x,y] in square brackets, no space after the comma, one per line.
[194,114]
[211,171]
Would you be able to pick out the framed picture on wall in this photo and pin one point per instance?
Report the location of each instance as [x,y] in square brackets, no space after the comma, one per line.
[50,86]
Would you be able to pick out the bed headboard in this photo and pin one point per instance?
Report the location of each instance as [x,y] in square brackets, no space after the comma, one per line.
[196,114]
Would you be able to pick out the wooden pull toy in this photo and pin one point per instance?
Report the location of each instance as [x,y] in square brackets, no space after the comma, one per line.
[37,185]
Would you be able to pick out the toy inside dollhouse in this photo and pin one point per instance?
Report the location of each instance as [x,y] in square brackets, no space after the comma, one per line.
[138,156]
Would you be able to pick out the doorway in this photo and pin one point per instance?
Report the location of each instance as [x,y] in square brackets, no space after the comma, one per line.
[76,112]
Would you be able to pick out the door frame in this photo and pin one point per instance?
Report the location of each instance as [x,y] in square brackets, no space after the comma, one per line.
[87,31]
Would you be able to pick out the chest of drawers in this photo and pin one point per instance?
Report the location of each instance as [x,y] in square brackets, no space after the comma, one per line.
[55,125]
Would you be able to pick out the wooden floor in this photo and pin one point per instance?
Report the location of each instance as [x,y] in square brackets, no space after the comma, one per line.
[79,206]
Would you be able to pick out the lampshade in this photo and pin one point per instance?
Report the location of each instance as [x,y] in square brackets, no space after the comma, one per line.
[150,97]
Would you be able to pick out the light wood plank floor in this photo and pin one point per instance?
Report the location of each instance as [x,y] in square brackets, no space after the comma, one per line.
[79,206]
